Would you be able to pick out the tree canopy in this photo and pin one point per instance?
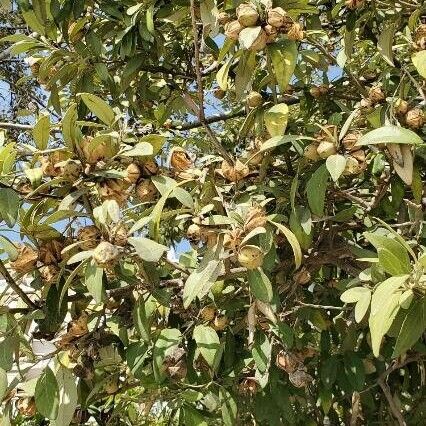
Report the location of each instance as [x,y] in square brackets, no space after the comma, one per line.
[212,212]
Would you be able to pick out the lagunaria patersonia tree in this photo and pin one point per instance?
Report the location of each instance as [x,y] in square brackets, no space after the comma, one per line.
[277,147]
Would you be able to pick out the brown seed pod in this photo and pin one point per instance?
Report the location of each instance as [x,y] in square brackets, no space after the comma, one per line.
[352,167]
[233,29]
[376,95]
[223,18]
[175,364]
[118,235]
[234,173]
[420,36]
[111,385]
[302,277]
[296,32]
[49,273]
[415,118]
[254,99]
[401,106]
[113,189]
[248,387]
[260,42]
[354,4]
[146,191]
[50,252]
[133,173]
[326,148]
[149,168]
[232,240]
[350,140]
[300,378]
[93,154]
[90,237]
[208,313]
[315,92]
[78,327]
[180,160]
[49,162]
[271,33]
[195,233]
[218,93]
[26,260]
[287,361]
[359,155]
[311,152]
[71,170]
[26,407]
[276,17]
[247,14]
[256,216]
[220,322]
[106,254]
[250,257]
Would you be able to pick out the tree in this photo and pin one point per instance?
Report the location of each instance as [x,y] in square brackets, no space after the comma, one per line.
[213,212]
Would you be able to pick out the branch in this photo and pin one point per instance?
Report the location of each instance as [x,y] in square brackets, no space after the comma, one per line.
[16,126]
[11,282]
[394,409]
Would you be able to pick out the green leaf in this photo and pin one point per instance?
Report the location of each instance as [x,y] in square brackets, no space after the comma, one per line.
[276,119]
[208,343]
[222,74]
[47,394]
[335,165]
[261,352]
[168,339]
[390,134]
[248,36]
[9,206]
[277,141]
[354,370]
[99,107]
[136,354]
[419,61]
[291,238]
[3,383]
[385,43]
[41,132]
[316,189]
[260,285]
[141,149]
[354,294]
[68,397]
[156,141]
[384,307]
[391,263]
[362,306]
[244,72]
[9,248]
[412,328]
[229,407]
[93,279]
[283,56]
[142,315]
[148,250]
[7,350]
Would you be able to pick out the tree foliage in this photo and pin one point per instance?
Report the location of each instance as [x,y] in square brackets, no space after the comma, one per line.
[212,212]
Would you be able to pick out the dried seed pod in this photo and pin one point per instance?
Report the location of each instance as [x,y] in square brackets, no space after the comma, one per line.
[93,154]
[234,173]
[247,14]
[90,236]
[248,387]
[149,168]
[233,29]
[350,140]
[111,385]
[220,322]
[175,364]
[78,327]
[50,252]
[218,93]
[180,160]
[49,273]
[133,173]
[296,32]
[276,17]
[71,170]
[302,277]
[223,18]
[251,257]
[401,107]
[311,152]
[26,407]
[195,233]
[287,361]
[106,254]
[376,95]
[208,313]
[260,42]
[26,260]
[233,239]
[49,163]
[118,235]
[300,378]
[113,189]
[359,155]
[271,33]
[254,99]
[352,167]
[415,118]
[420,36]
[256,216]
[315,92]
[146,191]
[326,148]
[354,4]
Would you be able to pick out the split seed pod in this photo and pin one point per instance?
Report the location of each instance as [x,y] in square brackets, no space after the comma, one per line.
[90,237]
[106,254]
[234,173]
[247,14]
[26,260]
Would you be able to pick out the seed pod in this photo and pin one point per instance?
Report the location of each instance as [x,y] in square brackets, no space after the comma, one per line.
[376,95]
[146,191]
[78,327]
[90,236]
[359,155]
[296,32]
[175,364]
[180,160]
[250,257]
[354,4]
[315,92]
[233,29]
[218,93]
[49,162]
[26,260]
[276,17]
[233,240]
[271,33]
[311,152]
[248,387]
[223,18]
[195,233]
[106,254]
[300,378]
[133,173]
[119,235]
[256,217]
[234,173]
[254,99]
[113,189]
[302,277]
[150,168]
[352,167]
[26,407]
[49,273]
[326,148]
[260,42]
[415,118]
[287,361]
[111,385]
[350,140]
[420,36]
[220,322]
[247,14]
[71,170]
[401,106]
[208,313]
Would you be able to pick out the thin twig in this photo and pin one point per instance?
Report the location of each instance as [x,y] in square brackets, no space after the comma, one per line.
[394,409]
